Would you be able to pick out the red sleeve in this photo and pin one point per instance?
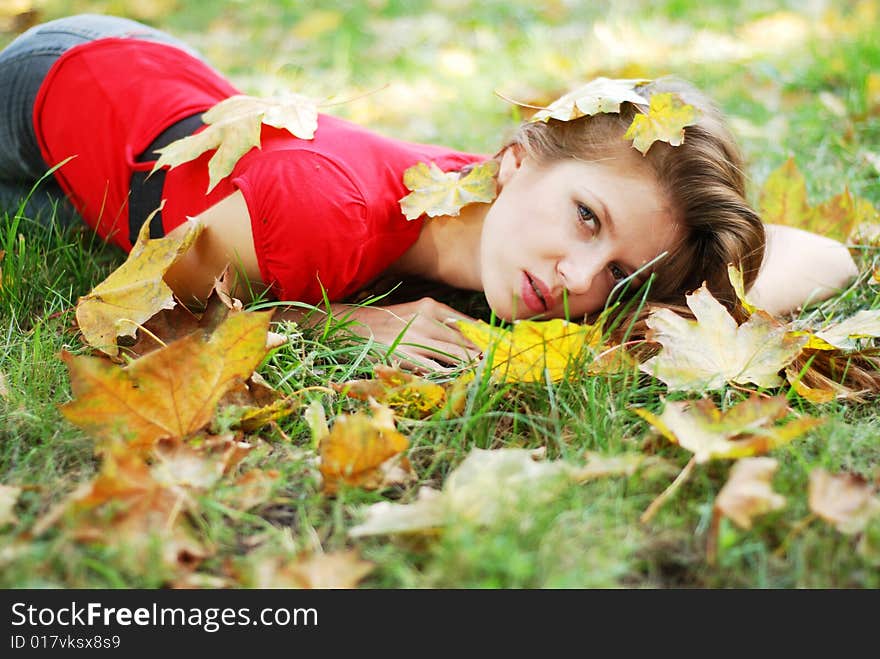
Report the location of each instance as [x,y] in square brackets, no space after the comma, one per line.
[309,221]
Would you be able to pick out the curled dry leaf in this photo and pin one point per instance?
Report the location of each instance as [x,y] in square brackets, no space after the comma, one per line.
[435,192]
[135,291]
[233,128]
[356,448]
[171,392]
[407,394]
[712,350]
[524,353]
[486,485]
[845,500]
[602,95]
[745,429]
[748,491]
[8,498]
[665,121]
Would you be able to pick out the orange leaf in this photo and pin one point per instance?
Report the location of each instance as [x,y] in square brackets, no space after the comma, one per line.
[171,392]
[748,491]
[845,500]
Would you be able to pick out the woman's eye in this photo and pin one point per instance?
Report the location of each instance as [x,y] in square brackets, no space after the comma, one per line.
[587,218]
[617,272]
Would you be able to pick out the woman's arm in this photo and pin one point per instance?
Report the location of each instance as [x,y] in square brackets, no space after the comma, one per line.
[429,339]
[800,268]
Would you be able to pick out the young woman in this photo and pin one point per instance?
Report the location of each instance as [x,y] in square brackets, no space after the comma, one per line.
[579,211]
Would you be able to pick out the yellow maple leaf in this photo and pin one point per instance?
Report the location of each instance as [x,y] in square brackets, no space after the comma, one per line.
[435,192]
[845,500]
[524,353]
[233,128]
[407,394]
[135,291]
[357,447]
[748,491]
[744,430]
[712,350]
[171,392]
[665,121]
[602,95]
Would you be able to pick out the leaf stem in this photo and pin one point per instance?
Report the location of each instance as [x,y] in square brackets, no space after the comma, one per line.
[795,530]
[145,331]
[651,510]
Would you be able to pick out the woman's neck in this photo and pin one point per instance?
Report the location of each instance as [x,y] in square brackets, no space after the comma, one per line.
[447,250]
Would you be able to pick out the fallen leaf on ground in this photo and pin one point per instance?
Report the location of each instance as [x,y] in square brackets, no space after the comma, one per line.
[712,350]
[233,128]
[487,484]
[171,392]
[8,499]
[435,192]
[665,121]
[746,429]
[531,347]
[845,500]
[748,491]
[844,335]
[356,448]
[198,464]
[407,394]
[251,489]
[602,95]
[126,506]
[4,391]
[135,291]
[337,570]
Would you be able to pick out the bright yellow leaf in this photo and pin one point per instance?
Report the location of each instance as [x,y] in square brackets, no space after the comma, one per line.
[233,129]
[435,192]
[135,291]
[844,500]
[407,394]
[665,121]
[531,347]
[746,429]
[171,392]
[748,491]
[602,95]
[712,350]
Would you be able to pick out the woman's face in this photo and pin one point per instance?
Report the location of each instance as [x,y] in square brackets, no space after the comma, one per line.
[561,235]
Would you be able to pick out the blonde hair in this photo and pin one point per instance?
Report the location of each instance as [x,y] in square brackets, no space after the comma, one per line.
[702,178]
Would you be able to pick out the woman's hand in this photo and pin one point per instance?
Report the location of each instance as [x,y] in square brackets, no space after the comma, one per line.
[424,331]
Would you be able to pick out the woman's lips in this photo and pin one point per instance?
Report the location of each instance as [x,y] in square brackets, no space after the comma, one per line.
[531,299]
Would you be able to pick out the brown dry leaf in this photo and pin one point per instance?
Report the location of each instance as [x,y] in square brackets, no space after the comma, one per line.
[251,489]
[336,570]
[845,500]
[197,464]
[8,498]
[665,121]
[748,491]
[602,95]
[233,128]
[357,446]
[407,394]
[171,392]
[524,353]
[135,291]
[712,350]
[435,192]
[746,429]
[125,506]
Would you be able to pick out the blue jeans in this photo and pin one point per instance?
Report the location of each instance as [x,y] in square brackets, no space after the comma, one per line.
[24,64]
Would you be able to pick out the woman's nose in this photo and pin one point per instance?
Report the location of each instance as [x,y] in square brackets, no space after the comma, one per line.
[578,273]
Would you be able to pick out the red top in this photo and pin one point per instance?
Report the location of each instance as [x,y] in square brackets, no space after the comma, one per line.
[324,212]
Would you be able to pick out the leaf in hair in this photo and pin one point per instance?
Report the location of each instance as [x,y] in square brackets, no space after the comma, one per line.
[665,121]
[435,192]
[233,129]
[602,95]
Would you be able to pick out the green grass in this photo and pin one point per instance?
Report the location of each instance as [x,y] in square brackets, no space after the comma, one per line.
[442,61]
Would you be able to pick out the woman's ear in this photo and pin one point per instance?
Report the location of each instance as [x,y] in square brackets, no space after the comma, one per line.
[511,159]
